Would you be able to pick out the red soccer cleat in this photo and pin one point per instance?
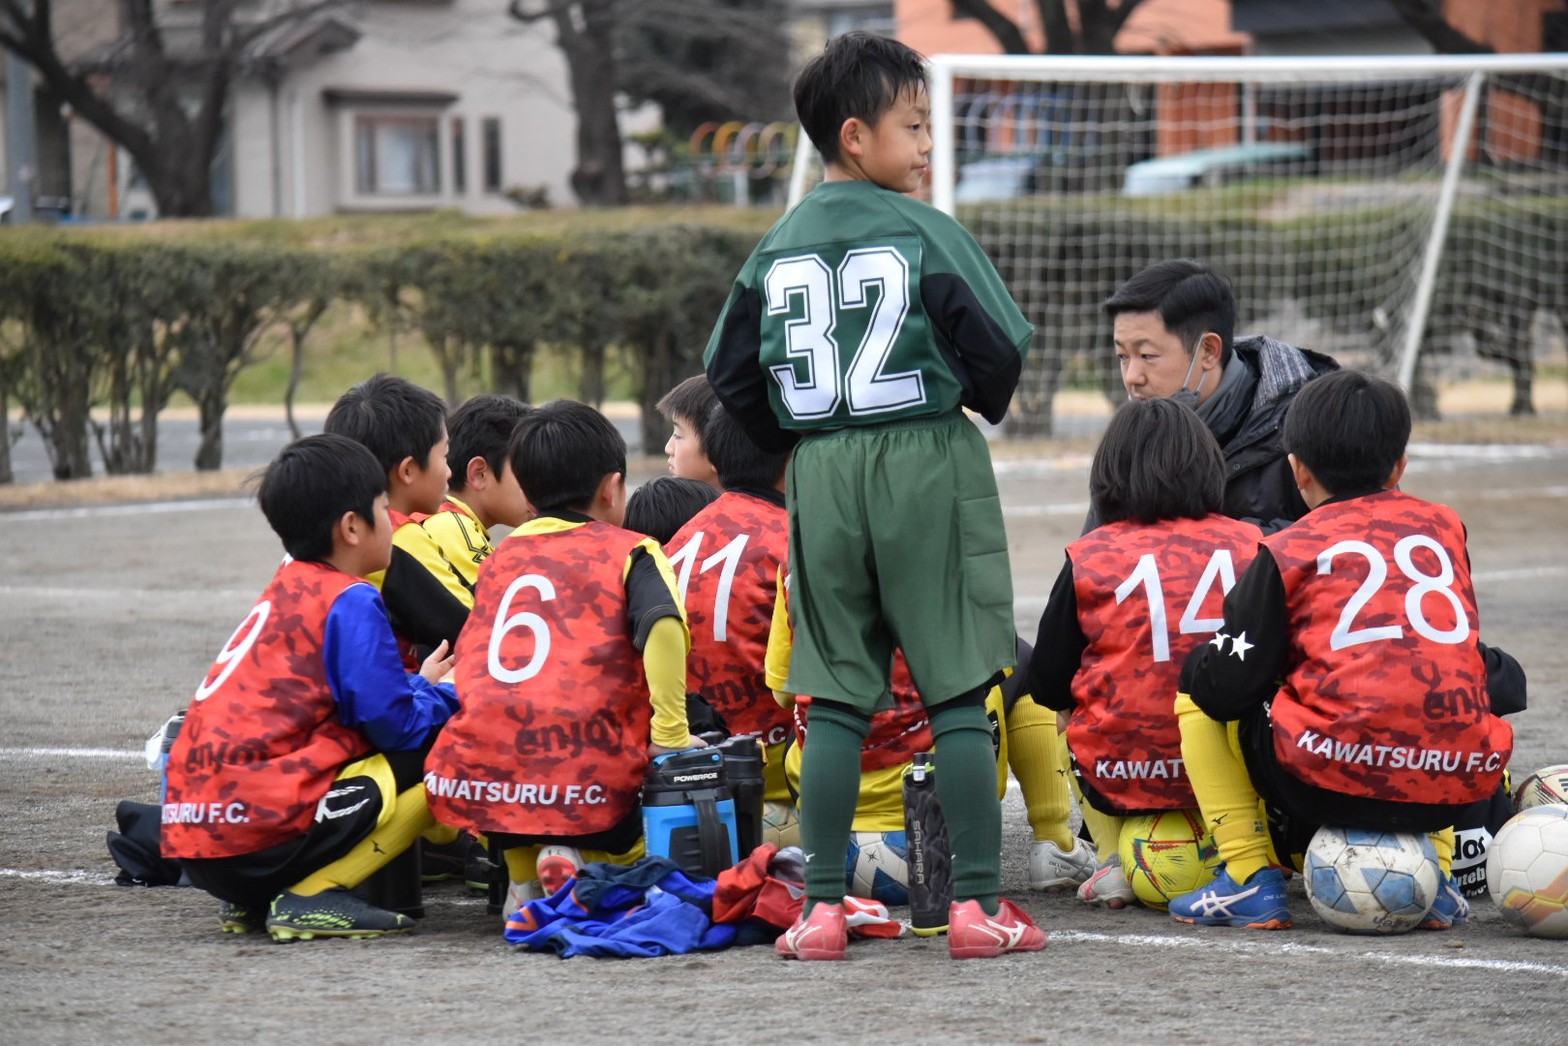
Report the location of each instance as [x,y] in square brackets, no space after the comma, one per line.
[821,935]
[972,934]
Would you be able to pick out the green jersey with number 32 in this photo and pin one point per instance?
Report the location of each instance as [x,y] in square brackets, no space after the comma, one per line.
[862,306]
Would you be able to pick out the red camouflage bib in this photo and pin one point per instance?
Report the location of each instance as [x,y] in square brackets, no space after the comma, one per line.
[1147,596]
[261,742]
[552,736]
[726,559]
[1385,691]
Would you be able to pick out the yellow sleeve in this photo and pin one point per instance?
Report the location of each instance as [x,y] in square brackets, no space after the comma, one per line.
[461,541]
[781,644]
[664,663]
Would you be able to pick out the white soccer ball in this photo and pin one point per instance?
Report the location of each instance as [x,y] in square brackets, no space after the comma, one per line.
[1527,870]
[1547,785]
[877,867]
[1362,881]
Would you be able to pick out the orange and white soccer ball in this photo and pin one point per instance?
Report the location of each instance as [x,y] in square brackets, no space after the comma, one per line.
[1527,870]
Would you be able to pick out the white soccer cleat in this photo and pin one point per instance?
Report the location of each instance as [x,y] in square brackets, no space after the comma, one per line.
[1053,871]
[519,894]
[1108,887]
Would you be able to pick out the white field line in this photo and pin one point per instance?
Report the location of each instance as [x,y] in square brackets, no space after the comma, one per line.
[58,878]
[1483,451]
[72,753]
[1144,940]
[62,592]
[146,508]
[1060,937]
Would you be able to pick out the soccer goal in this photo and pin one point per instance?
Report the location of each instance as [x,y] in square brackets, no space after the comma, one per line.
[1404,214]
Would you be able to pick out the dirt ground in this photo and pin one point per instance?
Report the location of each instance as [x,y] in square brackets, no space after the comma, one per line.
[110,613]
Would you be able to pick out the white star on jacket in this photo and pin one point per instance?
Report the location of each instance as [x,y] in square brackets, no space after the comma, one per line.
[1239,646]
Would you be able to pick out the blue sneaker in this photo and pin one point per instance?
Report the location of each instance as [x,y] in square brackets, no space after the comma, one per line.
[1258,905]
[1450,909]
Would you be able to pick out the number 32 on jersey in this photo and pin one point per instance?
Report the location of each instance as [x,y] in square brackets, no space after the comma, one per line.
[814,295]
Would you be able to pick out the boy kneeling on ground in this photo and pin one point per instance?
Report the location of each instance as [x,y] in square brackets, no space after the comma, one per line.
[297,773]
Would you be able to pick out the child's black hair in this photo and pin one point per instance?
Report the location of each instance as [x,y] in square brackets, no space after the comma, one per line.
[1349,429]
[311,484]
[690,401]
[858,75]
[481,428]
[561,451]
[739,462]
[665,504]
[1190,297]
[1157,461]
[392,416]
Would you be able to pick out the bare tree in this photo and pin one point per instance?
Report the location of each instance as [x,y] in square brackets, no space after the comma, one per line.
[1426,17]
[585,33]
[163,103]
[698,59]
[1098,23]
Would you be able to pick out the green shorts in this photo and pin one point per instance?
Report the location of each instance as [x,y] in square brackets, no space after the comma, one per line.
[896,540]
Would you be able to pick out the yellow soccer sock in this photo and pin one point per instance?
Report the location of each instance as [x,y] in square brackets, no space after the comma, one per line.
[1443,843]
[409,819]
[441,834]
[1225,792]
[1035,755]
[522,862]
[1105,830]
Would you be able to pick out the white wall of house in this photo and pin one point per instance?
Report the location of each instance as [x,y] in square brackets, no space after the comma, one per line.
[379,126]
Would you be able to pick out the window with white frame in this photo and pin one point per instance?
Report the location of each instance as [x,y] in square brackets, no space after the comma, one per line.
[394,146]
[397,155]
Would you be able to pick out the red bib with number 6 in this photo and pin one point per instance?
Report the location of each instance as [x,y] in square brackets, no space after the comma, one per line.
[552,736]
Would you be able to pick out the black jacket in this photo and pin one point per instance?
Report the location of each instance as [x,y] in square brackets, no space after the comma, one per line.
[1259,486]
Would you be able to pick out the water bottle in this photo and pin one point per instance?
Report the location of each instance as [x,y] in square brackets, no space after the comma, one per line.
[930,860]
[157,750]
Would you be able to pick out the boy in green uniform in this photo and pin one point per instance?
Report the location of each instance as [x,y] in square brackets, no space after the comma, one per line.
[860,325]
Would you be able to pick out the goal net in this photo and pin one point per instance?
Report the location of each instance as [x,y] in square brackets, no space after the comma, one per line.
[1405,215]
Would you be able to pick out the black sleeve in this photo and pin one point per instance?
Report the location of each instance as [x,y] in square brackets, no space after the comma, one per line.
[422,609]
[977,349]
[1505,683]
[1058,647]
[735,374]
[648,597]
[1240,667]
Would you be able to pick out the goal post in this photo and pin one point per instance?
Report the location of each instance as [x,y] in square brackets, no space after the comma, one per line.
[1407,214]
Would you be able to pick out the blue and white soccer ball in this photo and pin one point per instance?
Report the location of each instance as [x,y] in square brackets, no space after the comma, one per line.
[1362,881]
[877,867]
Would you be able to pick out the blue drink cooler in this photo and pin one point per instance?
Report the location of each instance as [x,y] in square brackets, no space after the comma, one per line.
[688,813]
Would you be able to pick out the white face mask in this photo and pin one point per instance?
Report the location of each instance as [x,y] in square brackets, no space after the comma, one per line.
[1189,397]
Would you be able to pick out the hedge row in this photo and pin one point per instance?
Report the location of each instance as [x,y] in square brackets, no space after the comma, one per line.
[116,320]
